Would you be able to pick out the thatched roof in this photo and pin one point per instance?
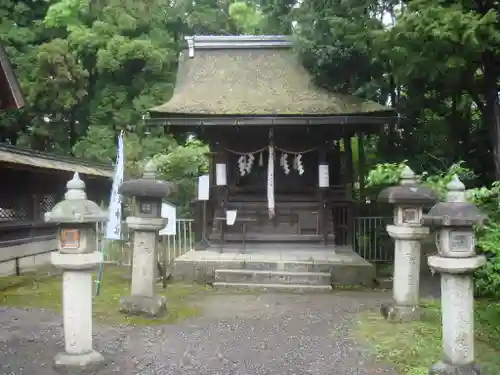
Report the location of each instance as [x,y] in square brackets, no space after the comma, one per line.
[250,75]
[10,93]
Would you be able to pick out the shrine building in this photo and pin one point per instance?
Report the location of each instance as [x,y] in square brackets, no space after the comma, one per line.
[281,176]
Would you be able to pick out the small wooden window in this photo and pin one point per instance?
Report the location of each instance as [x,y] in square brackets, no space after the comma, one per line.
[70,238]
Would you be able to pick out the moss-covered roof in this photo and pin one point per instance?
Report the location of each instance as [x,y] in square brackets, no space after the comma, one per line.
[242,76]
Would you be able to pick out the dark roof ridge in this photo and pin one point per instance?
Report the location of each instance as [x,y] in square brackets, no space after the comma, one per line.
[204,42]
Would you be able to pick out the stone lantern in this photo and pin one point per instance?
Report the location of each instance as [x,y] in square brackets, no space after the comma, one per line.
[456,262]
[409,198]
[76,217]
[148,193]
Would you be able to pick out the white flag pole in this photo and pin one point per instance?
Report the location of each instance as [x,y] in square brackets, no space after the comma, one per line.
[113,225]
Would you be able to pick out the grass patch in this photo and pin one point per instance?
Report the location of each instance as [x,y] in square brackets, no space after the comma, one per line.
[36,291]
[414,347]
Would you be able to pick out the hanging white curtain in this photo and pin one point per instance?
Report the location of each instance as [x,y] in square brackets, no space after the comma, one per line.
[270,182]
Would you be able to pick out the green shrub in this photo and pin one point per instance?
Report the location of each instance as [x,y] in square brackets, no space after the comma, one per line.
[487,278]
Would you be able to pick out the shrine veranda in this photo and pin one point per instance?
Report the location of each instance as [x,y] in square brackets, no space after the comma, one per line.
[280,153]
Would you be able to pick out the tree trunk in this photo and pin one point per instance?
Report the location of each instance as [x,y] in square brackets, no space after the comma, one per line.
[496,137]
[491,115]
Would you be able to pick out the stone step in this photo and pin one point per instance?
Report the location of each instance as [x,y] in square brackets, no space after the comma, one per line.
[272,277]
[281,266]
[287,288]
[345,266]
[272,237]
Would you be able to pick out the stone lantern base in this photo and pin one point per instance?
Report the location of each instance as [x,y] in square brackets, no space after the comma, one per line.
[79,357]
[404,307]
[442,368]
[81,364]
[395,313]
[151,307]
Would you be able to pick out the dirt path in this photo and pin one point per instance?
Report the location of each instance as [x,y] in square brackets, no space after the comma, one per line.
[237,334]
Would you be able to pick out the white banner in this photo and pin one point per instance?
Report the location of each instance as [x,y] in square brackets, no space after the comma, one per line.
[113,225]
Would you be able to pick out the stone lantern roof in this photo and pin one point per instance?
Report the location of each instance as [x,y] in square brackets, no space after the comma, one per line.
[409,191]
[455,210]
[75,208]
[148,185]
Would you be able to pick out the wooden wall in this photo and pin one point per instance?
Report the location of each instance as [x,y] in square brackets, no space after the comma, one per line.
[26,193]
[232,141]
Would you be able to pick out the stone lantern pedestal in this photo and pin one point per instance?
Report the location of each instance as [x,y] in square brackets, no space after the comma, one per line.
[148,193]
[409,199]
[456,262]
[77,257]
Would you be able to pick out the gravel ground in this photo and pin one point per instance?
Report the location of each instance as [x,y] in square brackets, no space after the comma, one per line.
[237,334]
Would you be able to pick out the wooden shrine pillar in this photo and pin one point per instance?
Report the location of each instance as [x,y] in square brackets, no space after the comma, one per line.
[221,192]
[323,187]
[204,210]
[220,175]
[200,224]
[361,166]
[348,178]
[348,163]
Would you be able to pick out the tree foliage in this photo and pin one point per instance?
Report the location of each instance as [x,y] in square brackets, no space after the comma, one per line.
[437,63]
[91,69]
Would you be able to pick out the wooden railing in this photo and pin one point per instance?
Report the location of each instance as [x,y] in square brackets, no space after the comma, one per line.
[169,247]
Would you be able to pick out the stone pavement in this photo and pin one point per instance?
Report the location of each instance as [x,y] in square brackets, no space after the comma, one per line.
[280,334]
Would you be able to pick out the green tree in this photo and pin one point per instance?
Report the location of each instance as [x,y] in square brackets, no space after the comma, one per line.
[436,63]
[277,16]
[21,32]
[460,41]
[181,166]
[125,54]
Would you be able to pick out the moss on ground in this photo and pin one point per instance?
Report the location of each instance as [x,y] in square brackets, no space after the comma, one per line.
[413,347]
[37,290]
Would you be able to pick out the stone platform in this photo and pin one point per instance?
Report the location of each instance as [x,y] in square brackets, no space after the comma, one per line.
[275,266]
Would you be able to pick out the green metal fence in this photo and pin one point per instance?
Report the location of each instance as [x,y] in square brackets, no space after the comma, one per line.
[371,240]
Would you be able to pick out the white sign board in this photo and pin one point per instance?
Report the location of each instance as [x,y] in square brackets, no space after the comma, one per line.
[231,216]
[169,212]
[204,188]
[324,176]
[220,174]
